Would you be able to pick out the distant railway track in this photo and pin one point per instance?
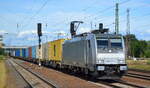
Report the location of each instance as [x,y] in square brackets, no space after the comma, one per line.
[33,79]
[116,84]
[121,84]
[128,84]
[139,70]
[140,76]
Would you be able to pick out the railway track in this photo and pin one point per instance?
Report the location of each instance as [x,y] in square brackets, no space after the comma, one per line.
[33,79]
[139,70]
[115,84]
[120,84]
[110,83]
[140,76]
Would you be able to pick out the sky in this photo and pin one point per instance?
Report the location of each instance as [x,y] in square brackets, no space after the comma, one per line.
[19,18]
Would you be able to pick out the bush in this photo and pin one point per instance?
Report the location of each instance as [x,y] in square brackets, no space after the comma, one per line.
[147,53]
[1,51]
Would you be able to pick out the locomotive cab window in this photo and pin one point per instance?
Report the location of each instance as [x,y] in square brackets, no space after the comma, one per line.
[116,43]
[102,43]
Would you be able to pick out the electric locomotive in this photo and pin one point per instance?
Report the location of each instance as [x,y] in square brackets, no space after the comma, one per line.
[97,53]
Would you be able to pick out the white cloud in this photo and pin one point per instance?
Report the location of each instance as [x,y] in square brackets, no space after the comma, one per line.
[82,30]
[32,39]
[27,32]
[3,31]
[148,31]
[61,32]
[30,32]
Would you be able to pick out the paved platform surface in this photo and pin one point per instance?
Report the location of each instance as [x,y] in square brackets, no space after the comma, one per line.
[33,80]
[14,80]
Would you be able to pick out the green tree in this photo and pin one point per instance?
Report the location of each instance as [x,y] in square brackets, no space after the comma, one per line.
[147,50]
[147,53]
[138,48]
[143,47]
[134,47]
[1,51]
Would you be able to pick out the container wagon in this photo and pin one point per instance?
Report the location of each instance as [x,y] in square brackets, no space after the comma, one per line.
[45,52]
[17,53]
[37,52]
[20,52]
[26,53]
[55,52]
[23,52]
[30,53]
[12,53]
[33,53]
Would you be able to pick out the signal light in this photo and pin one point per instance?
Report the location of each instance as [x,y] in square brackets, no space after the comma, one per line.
[39,29]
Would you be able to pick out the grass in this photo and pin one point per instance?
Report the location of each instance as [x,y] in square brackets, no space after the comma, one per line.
[2,74]
[1,57]
[139,64]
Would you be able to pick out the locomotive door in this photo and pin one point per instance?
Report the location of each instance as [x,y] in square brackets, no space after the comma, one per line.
[88,54]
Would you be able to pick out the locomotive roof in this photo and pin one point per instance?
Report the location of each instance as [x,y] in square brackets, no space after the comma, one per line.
[108,35]
[85,36]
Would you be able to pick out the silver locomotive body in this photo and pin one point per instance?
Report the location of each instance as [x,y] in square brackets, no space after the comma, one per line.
[100,55]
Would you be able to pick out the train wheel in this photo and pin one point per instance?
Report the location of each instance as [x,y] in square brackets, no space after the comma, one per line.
[86,71]
[94,75]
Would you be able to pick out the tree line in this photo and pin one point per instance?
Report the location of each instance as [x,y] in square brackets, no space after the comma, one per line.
[137,48]
[2,51]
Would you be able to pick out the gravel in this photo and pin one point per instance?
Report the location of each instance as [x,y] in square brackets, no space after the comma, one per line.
[137,81]
[60,79]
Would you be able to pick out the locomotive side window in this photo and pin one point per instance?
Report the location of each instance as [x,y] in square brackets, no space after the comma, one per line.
[102,43]
[116,43]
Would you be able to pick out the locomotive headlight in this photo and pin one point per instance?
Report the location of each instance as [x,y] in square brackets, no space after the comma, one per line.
[121,61]
[100,61]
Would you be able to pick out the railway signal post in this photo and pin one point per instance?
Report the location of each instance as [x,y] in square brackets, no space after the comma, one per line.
[39,31]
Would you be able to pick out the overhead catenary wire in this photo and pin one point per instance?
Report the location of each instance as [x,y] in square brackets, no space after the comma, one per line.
[123,13]
[36,13]
[85,9]
[63,21]
[18,25]
[109,9]
[106,9]
[25,18]
[93,16]
[32,17]
[134,17]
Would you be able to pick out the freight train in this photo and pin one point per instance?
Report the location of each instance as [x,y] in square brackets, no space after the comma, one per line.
[97,53]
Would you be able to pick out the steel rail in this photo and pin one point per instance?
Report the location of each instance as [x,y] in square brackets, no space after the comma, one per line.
[53,85]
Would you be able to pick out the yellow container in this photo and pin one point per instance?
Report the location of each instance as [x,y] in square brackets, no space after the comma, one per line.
[55,50]
[20,52]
